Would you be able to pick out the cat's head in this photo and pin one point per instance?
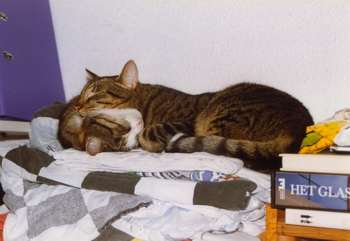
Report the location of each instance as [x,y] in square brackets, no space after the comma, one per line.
[101,138]
[95,134]
[106,92]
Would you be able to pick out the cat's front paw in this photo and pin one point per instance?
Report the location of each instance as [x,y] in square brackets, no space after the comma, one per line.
[93,145]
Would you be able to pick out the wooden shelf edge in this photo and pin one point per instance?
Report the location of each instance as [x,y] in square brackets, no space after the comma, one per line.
[312,232]
[14,126]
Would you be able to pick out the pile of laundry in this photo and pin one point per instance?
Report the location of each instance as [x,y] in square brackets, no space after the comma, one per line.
[70,195]
[332,133]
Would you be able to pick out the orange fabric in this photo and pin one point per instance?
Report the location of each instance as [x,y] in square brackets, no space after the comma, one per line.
[2,222]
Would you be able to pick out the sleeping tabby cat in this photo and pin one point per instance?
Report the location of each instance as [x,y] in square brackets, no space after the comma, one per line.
[249,121]
[100,129]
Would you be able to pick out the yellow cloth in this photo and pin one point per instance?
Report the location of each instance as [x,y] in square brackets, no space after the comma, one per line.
[327,131]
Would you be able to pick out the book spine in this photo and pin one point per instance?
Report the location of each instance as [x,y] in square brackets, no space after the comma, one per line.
[304,190]
[315,218]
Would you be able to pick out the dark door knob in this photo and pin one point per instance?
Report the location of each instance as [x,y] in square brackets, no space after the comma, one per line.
[7,55]
[3,17]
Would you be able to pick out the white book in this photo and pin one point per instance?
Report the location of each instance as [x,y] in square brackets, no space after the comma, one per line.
[314,218]
[321,163]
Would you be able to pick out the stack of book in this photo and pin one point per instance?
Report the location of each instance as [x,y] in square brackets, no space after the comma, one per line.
[314,189]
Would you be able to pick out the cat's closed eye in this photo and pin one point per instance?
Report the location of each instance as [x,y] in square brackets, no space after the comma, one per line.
[103,100]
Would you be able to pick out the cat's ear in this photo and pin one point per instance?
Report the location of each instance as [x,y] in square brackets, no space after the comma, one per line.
[91,76]
[130,75]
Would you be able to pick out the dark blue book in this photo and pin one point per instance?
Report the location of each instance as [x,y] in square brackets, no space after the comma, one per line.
[305,190]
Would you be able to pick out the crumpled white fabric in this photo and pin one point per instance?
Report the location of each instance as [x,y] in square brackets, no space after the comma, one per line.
[164,221]
[161,221]
[43,134]
[142,161]
[340,115]
[343,137]
[343,114]
[235,236]
[6,146]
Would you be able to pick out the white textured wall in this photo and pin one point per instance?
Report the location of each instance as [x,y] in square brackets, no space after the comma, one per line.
[302,47]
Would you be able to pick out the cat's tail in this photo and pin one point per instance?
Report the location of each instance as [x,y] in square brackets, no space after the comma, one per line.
[258,155]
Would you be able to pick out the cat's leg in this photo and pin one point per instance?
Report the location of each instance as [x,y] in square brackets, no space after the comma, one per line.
[154,138]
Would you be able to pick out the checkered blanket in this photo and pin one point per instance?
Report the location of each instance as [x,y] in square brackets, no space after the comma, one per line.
[50,199]
[59,212]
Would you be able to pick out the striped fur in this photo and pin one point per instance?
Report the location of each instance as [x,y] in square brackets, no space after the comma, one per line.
[94,135]
[249,121]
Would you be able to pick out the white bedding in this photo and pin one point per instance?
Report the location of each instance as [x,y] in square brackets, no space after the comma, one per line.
[146,161]
[165,221]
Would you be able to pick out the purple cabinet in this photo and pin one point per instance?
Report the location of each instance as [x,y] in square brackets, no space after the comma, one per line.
[29,69]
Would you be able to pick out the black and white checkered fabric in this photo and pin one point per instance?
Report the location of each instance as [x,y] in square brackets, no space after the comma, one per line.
[81,205]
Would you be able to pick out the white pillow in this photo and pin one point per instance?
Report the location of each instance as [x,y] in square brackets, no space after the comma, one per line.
[43,134]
